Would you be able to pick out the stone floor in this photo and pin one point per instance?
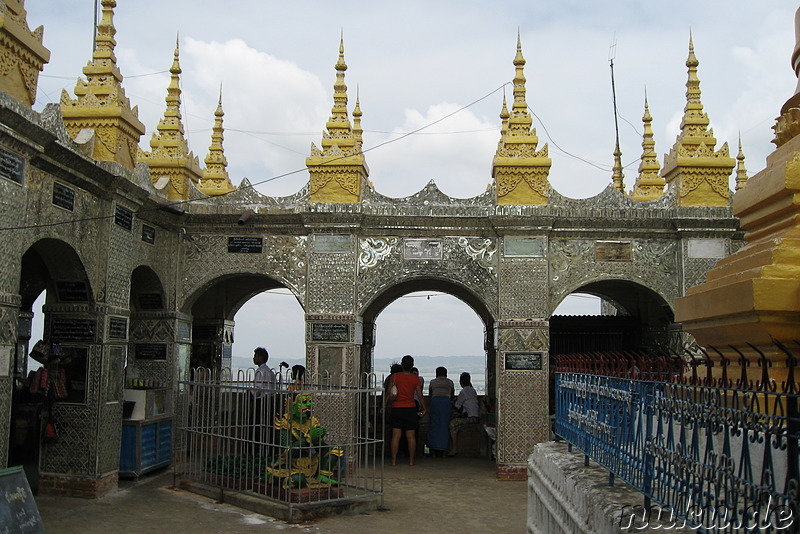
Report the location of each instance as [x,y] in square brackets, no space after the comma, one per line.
[438,495]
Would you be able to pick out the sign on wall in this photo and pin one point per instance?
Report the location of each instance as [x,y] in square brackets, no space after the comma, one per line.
[524,361]
[330,332]
[422,249]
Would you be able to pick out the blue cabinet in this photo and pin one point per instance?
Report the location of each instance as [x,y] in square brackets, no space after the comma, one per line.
[145,445]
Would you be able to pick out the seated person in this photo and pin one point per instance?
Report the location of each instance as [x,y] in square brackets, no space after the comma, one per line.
[467,411]
[306,460]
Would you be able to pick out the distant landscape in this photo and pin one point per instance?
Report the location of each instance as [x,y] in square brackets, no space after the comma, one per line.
[455,365]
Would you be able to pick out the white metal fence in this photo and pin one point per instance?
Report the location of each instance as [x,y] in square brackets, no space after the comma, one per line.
[291,443]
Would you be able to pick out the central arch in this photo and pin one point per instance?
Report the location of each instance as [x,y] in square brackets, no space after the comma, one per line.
[414,285]
[381,300]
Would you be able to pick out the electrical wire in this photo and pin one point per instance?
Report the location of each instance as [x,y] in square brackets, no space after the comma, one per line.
[276,177]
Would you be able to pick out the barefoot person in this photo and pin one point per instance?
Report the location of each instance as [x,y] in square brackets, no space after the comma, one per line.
[405,415]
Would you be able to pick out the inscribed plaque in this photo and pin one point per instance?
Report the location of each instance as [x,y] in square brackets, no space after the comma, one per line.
[123,217]
[524,361]
[117,328]
[245,245]
[422,249]
[613,251]
[331,243]
[148,234]
[532,247]
[151,351]
[11,166]
[63,196]
[330,332]
[707,248]
[67,330]
[72,291]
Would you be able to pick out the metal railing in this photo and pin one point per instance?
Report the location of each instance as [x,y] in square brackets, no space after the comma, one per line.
[720,454]
[236,434]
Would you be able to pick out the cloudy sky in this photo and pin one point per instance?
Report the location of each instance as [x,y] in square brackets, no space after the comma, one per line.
[415,62]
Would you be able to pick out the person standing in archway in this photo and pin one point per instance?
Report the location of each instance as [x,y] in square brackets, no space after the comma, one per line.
[441,391]
[404,417]
[265,387]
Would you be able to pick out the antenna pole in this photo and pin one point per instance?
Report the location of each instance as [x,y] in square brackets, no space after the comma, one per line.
[94,33]
[614,99]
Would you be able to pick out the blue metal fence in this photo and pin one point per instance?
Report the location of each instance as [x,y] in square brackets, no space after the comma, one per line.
[721,458]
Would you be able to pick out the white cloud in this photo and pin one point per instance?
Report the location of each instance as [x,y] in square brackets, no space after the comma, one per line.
[456,153]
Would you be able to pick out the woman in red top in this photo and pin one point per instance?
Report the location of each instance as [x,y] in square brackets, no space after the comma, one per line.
[405,415]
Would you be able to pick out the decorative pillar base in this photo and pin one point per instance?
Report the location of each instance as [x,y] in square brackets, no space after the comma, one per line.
[73,486]
[512,472]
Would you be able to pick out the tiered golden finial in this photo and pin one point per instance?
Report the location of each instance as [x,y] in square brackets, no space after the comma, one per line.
[169,154]
[699,174]
[504,116]
[617,178]
[215,176]
[101,104]
[339,168]
[741,171]
[649,184]
[358,133]
[520,170]
[23,53]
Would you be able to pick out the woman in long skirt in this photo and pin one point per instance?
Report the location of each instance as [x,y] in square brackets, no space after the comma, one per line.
[441,391]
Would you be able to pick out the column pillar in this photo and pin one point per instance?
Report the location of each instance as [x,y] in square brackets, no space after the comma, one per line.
[523,393]
[10,331]
[83,460]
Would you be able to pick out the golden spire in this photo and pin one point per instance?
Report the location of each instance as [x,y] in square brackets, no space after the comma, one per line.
[518,168]
[699,174]
[215,176]
[504,115]
[23,53]
[617,178]
[339,168]
[741,171]
[169,151]
[101,104]
[649,184]
[357,131]
[521,121]
[694,125]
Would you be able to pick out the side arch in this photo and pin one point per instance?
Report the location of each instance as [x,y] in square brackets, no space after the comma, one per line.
[223,296]
[634,315]
[53,265]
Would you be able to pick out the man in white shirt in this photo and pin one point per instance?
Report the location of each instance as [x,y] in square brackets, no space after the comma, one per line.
[265,377]
[265,387]
[468,411]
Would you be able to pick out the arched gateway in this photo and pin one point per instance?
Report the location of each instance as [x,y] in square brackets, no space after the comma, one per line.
[159,283]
